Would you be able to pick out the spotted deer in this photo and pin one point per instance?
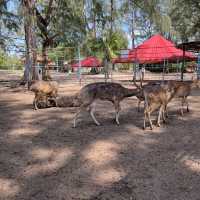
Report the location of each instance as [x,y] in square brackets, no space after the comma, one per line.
[113,92]
[156,97]
[140,95]
[183,90]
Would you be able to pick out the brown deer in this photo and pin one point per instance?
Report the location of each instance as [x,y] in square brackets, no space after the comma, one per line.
[113,92]
[156,97]
[159,96]
[44,89]
[183,90]
[140,95]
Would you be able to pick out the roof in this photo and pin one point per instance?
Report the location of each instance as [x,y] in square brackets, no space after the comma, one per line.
[88,62]
[193,46]
[155,50]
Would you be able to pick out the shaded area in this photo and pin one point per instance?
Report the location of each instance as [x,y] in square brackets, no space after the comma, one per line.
[43,157]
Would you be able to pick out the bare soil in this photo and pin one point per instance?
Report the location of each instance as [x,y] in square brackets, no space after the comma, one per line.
[42,157]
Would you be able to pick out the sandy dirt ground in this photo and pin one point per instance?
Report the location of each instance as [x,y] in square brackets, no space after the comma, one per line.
[42,157]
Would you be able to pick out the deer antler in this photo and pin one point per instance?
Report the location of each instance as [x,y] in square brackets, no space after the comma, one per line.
[138,86]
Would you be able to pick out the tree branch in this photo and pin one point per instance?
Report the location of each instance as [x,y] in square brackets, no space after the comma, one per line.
[49,11]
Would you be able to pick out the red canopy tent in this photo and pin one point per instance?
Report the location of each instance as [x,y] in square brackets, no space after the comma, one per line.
[155,50]
[88,62]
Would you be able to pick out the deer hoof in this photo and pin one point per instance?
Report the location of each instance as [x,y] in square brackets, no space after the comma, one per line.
[151,127]
[97,123]
[158,124]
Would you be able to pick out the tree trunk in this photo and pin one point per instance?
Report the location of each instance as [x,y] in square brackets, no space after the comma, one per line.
[30,72]
[45,69]
[132,28]
[94,26]
[111,16]
[94,21]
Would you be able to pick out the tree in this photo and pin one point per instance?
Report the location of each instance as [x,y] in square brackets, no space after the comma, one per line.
[30,72]
[43,23]
[59,22]
[144,18]
[185,17]
[9,23]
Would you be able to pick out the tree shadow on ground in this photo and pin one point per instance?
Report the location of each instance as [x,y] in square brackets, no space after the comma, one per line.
[43,157]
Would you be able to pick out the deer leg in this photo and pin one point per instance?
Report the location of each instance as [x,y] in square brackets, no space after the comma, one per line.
[35,103]
[52,99]
[164,114]
[159,116]
[182,105]
[139,102]
[117,110]
[82,108]
[92,108]
[144,122]
[149,118]
[187,103]
[55,101]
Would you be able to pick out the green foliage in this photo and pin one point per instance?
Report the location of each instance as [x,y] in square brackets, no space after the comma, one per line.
[61,53]
[185,15]
[113,43]
[9,62]
[9,23]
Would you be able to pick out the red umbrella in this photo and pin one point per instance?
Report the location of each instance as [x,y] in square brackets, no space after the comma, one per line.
[88,62]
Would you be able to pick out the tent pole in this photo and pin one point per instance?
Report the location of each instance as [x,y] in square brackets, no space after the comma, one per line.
[183,63]
[79,65]
[177,67]
[163,71]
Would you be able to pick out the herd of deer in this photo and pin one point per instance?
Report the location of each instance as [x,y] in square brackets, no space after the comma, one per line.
[156,96]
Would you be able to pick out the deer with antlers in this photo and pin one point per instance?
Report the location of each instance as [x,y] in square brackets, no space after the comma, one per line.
[113,92]
[141,87]
[156,96]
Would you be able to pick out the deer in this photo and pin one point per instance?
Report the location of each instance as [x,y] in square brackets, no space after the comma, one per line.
[44,89]
[183,90]
[140,95]
[68,101]
[106,91]
[156,97]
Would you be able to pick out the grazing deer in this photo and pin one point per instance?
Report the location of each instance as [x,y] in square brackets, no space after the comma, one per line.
[113,92]
[68,101]
[47,89]
[183,90]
